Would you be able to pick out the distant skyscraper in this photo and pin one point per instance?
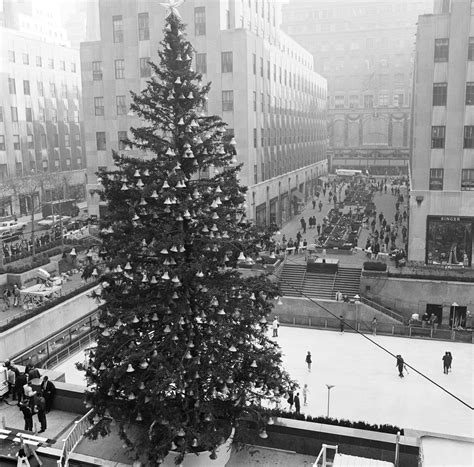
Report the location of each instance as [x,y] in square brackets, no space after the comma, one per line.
[365,50]
[263,85]
[441,228]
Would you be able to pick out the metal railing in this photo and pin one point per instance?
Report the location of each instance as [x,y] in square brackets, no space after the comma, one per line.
[383,309]
[74,437]
[71,349]
[322,459]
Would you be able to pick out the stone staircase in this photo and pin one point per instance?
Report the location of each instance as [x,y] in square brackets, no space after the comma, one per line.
[319,285]
[291,279]
[347,281]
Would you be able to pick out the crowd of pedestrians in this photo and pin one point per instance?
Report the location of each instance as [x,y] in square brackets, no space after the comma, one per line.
[30,401]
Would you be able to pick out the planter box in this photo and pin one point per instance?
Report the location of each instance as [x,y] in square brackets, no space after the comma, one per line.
[23,278]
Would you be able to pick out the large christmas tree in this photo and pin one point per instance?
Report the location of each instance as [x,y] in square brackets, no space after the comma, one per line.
[183,350]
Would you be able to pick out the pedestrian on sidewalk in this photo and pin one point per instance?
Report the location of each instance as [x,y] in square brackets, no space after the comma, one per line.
[320,206]
[309,361]
[27,415]
[303,224]
[314,202]
[297,403]
[40,410]
[305,394]
[49,389]
[319,229]
[275,326]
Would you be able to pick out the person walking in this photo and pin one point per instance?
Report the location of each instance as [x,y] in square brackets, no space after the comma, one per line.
[314,202]
[297,403]
[445,363]
[400,365]
[275,326]
[318,228]
[320,206]
[290,400]
[341,324]
[309,361]
[305,394]
[49,390]
[27,415]
[374,326]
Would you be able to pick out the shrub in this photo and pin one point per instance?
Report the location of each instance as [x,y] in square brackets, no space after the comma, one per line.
[374,266]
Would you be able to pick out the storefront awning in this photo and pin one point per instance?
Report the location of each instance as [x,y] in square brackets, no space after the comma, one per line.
[298,195]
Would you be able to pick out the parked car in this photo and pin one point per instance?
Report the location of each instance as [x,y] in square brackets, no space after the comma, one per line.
[9,228]
[51,221]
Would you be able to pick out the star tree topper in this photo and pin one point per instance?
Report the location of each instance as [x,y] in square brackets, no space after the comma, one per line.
[172,8]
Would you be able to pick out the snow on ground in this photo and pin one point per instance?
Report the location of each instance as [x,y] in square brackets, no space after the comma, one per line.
[367,386]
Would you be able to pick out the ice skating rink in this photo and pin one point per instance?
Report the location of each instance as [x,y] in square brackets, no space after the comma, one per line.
[366,382]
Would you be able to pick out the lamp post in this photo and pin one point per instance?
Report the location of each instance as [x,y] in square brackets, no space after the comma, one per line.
[329,386]
[453,319]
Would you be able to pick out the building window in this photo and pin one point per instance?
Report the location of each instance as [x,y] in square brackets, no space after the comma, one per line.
[97,71]
[11,56]
[436,179]
[122,136]
[200,21]
[470,49]
[54,115]
[398,99]
[2,143]
[30,141]
[467,179]
[119,69]
[353,101]
[64,91]
[1,114]
[440,93]
[201,63]
[121,105]
[383,99]
[441,51]
[16,142]
[255,101]
[52,89]
[226,62]
[26,87]
[254,137]
[437,137]
[368,101]
[51,63]
[41,114]
[145,68]
[470,93]
[40,88]
[227,100]
[26,59]
[143,27]
[117,28]
[14,112]
[99,106]
[262,102]
[29,114]
[65,117]
[43,142]
[62,65]
[73,67]
[268,70]
[261,67]
[11,85]
[100,140]
[339,101]
[472,6]
[469,137]
[254,63]
[39,61]
[67,140]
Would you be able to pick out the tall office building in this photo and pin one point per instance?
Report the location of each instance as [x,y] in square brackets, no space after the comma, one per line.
[365,50]
[442,164]
[40,113]
[263,86]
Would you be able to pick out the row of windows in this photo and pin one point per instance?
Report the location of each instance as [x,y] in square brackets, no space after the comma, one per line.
[30,144]
[119,69]
[340,102]
[282,136]
[440,93]
[40,88]
[437,179]
[143,27]
[441,50]
[438,135]
[101,140]
[39,61]
[41,116]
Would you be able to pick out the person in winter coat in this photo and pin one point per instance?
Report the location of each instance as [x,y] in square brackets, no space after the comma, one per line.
[49,391]
[309,360]
[297,403]
[27,415]
[400,365]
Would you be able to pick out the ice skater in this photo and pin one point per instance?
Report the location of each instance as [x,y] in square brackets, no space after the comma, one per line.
[445,363]
[400,365]
[341,324]
[309,361]
[305,394]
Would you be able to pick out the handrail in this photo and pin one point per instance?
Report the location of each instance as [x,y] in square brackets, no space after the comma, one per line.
[323,455]
[383,309]
[74,437]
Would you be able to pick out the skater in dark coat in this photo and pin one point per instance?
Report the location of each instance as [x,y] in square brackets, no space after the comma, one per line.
[341,323]
[400,365]
[297,403]
[445,363]
[309,360]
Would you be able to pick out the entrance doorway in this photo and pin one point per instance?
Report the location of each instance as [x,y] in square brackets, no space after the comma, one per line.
[457,316]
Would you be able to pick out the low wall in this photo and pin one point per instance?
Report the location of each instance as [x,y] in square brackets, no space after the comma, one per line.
[408,296]
[49,322]
[69,398]
[23,278]
[304,308]
[308,438]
